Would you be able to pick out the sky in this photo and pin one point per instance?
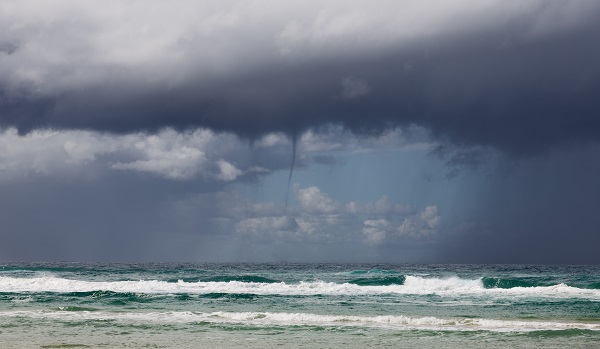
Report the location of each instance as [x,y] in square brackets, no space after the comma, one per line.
[300,131]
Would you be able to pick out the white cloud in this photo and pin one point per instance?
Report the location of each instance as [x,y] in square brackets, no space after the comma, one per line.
[416,226]
[87,147]
[305,227]
[376,230]
[228,171]
[179,162]
[336,139]
[430,217]
[48,153]
[271,140]
[318,217]
[423,225]
[312,200]
[280,228]
[381,207]
[332,223]
[311,141]
[326,27]
[176,155]
[168,154]
[352,207]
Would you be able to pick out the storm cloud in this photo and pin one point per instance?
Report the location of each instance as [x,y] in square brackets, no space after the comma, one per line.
[521,77]
[300,130]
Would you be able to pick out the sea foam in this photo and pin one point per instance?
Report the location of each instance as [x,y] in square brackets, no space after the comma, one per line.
[394,322]
[452,286]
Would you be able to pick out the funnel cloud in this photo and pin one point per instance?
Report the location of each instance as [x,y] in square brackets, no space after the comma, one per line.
[208,98]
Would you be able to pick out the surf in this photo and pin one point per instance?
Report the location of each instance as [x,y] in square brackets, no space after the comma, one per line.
[410,285]
[391,322]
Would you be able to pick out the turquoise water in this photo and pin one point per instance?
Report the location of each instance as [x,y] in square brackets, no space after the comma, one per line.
[298,306]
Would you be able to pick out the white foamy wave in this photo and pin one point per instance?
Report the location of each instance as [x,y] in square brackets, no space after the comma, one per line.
[420,285]
[454,286]
[554,291]
[53,284]
[413,285]
[393,322]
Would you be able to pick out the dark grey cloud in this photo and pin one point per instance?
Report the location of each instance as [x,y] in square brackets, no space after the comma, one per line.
[522,84]
[539,211]
[477,79]
[123,218]
[8,48]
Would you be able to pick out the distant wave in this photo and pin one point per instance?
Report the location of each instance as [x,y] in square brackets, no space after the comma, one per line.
[395,322]
[228,278]
[452,286]
[372,271]
[379,281]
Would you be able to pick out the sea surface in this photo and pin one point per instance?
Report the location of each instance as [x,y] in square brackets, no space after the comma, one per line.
[72,305]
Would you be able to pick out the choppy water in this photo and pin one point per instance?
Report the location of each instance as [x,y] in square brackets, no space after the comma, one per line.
[298,306]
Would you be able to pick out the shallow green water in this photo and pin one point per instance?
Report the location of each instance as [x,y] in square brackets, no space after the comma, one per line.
[311,306]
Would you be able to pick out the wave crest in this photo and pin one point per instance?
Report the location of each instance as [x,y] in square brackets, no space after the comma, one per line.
[395,322]
[452,286]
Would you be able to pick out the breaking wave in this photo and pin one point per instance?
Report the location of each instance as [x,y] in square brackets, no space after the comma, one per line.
[451,286]
[395,322]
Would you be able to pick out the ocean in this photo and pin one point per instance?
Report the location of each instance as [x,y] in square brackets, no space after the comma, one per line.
[75,305]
